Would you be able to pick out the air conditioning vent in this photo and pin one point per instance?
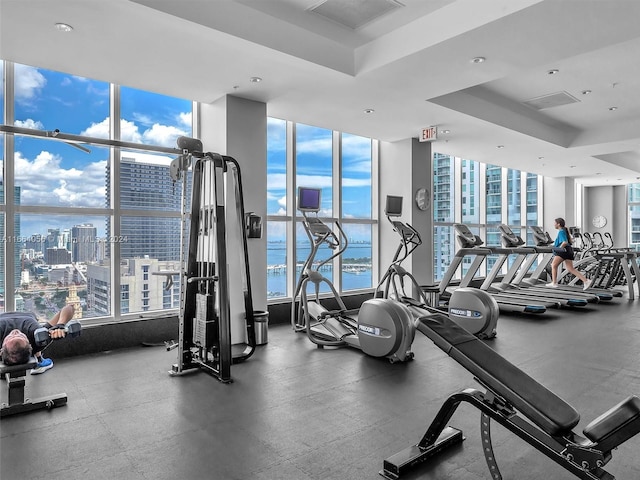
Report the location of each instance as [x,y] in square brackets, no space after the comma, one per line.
[354,14]
[551,100]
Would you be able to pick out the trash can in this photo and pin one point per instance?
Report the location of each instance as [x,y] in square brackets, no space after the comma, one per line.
[261,319]
[432,292]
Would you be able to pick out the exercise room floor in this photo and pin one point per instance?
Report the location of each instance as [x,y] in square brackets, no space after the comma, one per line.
[297,412]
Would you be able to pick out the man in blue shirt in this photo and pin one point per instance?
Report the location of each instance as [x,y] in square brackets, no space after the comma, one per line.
[564,253]
[17,333]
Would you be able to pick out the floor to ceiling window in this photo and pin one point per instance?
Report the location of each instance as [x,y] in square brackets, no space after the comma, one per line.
[341,166]
[634,216]
[489,195]
[92,218]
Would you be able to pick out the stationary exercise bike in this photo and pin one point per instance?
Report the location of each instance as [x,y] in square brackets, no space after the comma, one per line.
[380,327]
[473,309]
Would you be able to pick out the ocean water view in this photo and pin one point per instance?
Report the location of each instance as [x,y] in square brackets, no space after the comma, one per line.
[356,266]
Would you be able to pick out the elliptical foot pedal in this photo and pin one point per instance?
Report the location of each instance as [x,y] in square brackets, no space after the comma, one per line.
[400,463]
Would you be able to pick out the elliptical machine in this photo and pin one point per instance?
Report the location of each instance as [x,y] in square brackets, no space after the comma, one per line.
[380,327]
[474,310]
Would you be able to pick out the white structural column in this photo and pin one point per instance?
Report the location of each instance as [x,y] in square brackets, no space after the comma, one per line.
[237,127]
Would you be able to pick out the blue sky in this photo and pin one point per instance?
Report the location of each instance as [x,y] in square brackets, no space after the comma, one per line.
[50,172]
[53,173]
[314,168]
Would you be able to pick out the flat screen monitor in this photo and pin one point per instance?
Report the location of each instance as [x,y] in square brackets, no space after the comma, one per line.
[309,199]
[394,206]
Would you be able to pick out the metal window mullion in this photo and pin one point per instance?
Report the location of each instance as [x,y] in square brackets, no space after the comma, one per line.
[482,209]
[523,204]
[457,189]
[504,195]
[291,225]
[115,202]
[375,216]
[336,156]
[540,200]
[9,187]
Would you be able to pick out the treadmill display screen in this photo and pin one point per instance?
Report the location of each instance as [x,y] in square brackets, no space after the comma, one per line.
[309,199]
[394,206]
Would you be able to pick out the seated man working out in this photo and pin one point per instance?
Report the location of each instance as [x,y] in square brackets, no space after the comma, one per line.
[17,331]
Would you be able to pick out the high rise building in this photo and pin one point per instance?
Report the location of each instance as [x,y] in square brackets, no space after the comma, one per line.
[140,289]
[83,243]
[146,185]
[57,256]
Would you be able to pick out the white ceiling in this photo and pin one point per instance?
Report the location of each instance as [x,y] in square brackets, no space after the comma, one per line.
[411,65]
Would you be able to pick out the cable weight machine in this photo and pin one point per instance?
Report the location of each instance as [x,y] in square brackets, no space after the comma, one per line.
[212,313]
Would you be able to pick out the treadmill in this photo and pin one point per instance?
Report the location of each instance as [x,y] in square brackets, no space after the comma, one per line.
[514,244]
[545,253]
[471,245]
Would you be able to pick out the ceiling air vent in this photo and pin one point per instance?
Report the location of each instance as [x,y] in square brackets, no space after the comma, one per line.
[551,100]
[354,13]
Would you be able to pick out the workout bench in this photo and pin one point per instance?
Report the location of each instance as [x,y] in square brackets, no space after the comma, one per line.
[510,397]
[15,377]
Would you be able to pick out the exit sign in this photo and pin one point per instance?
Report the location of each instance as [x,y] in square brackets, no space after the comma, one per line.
[429,134]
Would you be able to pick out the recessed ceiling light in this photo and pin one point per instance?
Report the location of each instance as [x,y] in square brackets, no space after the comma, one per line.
[613,108]
[478,59]
[369,111]
[255,79]
[572,166]
[586,92]
[63,27]
[445,131]
[500,146]
[540,158]
[553,72]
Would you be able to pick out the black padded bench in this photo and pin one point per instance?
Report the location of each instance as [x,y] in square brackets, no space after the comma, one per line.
[511,395]
[16,402]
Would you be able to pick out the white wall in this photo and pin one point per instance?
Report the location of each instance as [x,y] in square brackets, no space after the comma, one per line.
[406,166]
[610,202]
[559,201]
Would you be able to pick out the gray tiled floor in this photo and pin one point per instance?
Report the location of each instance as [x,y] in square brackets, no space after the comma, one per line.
[301,413]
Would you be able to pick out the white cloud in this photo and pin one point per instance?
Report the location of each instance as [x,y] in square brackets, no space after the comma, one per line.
[315,181]
[186,119]
[142,118]
[315,145]
[30,123]
[129,132]
[283,202]
[43,181]
[98,130]
[29,82]
[363,166]
[164,135]
[276,181]
[356,182]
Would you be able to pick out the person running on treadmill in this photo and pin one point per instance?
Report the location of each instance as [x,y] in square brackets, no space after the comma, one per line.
[17,334]
[563,252]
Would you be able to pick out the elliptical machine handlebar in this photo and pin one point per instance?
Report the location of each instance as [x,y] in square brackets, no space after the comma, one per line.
[410,240]
[320,233]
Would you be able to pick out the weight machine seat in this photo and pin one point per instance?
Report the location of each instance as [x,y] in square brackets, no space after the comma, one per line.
[21,367]
[541,406]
